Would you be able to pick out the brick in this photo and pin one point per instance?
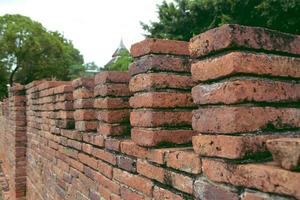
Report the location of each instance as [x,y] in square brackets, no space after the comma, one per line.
[83,103]
[186,161]
[231,36]
[83,93]
[75,164]
[224,119]
[150,118]
[112,89]
[207,191]
[128,194]
[153,137]
[105,169]
[84,115]
[255,195]
[111,103]
[161,193]
[286,152]
[246,90]
[126,163]
[151,171]
[112,186]
[112,77]
[160,63]
[179,181]
[83,82]
[264,177]
[112,144]
[159,46]
[86,125]
[105,155]
[105,193]
[161,100]
[88,160]
[235,63]
[234,147]
[75,144]
[87,148]
[147,82]
[63,89]
[112,129]
[136,182]
[113,116]
[130,148]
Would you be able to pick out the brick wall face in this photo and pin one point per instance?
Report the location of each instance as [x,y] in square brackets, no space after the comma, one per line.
[189,120]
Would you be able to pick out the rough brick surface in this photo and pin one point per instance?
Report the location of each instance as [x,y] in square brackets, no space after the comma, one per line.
[246,90]
[159,46]
[223,119]
[232,36]
[286,152]
[234,63]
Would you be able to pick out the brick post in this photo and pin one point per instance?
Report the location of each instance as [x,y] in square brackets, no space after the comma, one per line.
[16,142]
[162,102]
[112,94]
[248,90]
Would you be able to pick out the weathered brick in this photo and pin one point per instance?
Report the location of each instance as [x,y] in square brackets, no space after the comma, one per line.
[151,118]
[88,160]
[105,155]
[112,89]
[224,119]
[136,182]
[126,163]
[83,82]
[160,193]
[112,77]
[112,129]
[161,100]
[113,116]
[264,177]
[147,82]
[231,36]
[160,63]
[151,171]
[83,93]
[111,103]
[153,137]
[186,161]
[84,115]
[246,90]
[149,46]
[286,152]
[86,125]
[105,169]
[112,144]
[234,147]
[255,195]
[207,191]
[111,185]
[128,194]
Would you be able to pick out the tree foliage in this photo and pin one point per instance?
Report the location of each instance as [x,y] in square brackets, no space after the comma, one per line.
[35,52]
[121,63]
[183,19]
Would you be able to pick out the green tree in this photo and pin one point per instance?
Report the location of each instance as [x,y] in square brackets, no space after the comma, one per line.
[31,52]
[120,63]
[183,19]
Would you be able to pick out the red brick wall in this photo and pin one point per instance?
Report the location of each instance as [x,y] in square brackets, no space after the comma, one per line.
[189,120]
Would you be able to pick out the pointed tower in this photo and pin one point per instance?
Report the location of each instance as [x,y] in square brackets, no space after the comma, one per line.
[121,48]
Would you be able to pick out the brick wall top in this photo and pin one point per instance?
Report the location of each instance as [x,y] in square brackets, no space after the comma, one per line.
[159,46]
[233,36]
[112,77]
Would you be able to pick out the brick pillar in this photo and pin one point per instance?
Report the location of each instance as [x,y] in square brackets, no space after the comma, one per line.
[84,115]
[112,97]
[161,83]
[248,92]
[16,142]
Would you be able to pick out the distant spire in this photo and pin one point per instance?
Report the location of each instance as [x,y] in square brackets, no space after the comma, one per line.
[121,45]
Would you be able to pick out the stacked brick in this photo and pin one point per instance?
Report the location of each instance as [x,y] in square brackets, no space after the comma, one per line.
[16,139]
[49,115]
[85,118]
[111,101]
[161,83]
[247,94]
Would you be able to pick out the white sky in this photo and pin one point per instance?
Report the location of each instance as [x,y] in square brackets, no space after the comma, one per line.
[94,26]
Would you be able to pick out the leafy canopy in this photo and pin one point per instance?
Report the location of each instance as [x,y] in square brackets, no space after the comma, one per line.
[121,63]
[32,52]
[183,19]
